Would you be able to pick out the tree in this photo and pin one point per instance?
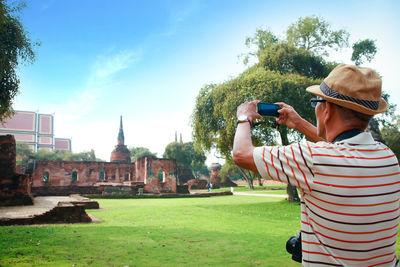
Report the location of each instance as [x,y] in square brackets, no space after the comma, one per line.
[15,46]
[262,39]
[186,155]
[138,152]
[230,171]
[314,34]
[391,135]
[214,116]
[363,49]
[24,152]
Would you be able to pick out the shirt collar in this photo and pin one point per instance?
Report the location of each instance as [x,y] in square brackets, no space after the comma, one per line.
[363,138]
[346,135]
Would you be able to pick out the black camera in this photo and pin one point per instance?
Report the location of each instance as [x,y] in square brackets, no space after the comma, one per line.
[265,109]
[293,246]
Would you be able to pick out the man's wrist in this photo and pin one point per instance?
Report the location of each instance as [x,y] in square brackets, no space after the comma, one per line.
[244,119]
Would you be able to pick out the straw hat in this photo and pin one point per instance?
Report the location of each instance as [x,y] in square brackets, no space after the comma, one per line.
[352,87]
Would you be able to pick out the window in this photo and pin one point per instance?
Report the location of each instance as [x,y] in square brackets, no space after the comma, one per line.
[161,176]
[101,176]
[46,177]
[74,176]
[127,177]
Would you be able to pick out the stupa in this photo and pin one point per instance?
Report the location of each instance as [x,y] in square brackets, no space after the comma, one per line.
[121,153]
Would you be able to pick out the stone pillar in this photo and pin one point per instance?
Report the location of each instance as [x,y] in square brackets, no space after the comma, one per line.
[15,188]
[7,156]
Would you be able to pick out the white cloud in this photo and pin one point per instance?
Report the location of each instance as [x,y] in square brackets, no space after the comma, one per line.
[106,66]
[99,80]
[47,4]
[179,15]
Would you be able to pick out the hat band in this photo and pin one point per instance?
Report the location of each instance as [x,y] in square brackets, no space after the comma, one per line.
[370,104]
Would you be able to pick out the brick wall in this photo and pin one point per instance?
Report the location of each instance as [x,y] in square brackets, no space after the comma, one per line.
[80,173]
[157,175]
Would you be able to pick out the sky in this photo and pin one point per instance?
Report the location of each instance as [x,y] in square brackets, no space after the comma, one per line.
[147,60]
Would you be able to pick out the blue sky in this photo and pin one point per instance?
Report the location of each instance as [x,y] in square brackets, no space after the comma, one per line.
[147,60]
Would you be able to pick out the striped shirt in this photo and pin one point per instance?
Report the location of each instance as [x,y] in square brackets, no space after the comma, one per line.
[350,194]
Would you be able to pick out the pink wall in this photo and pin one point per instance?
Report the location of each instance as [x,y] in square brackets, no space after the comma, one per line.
[45,124]
[21,121]
[25,137]
[45,140]
[62,144]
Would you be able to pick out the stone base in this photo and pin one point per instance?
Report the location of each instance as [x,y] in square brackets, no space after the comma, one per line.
[182,189]
[17,200]
[15,190]
[46,210]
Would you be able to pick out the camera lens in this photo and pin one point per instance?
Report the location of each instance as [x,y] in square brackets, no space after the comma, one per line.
[293,246]
[290,244]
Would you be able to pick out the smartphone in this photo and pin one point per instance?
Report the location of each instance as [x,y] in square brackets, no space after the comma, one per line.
[265,109]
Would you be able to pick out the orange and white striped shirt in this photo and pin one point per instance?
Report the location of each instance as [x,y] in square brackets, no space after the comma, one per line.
[350,194]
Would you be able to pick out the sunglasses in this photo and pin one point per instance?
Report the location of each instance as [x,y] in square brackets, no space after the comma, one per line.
[315,100]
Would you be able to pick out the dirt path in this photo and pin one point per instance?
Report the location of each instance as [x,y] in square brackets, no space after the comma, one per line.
[258,195]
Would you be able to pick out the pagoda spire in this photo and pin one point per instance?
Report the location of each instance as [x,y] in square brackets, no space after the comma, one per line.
[121,138]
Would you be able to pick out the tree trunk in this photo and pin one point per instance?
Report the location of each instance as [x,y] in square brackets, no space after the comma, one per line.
[260,182]
[283,132]
[293,196]
[292,193]
[373,127]
[247,178]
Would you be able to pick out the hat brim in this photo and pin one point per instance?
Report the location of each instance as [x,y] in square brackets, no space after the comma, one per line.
[316,90]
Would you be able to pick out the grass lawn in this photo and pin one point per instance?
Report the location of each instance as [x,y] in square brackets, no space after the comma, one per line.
[216,231]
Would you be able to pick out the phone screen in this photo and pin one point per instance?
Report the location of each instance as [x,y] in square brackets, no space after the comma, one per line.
[265,109]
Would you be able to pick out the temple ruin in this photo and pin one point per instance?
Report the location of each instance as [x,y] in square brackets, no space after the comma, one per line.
[119,176]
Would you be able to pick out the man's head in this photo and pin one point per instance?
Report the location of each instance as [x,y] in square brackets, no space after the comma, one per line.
[353,95]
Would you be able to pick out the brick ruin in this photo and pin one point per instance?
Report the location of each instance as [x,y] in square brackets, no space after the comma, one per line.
[154,175]
[14,187]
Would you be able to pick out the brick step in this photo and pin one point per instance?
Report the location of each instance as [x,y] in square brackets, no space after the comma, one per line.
[47,210]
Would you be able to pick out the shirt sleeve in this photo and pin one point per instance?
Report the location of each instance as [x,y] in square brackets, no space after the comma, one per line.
[288,164]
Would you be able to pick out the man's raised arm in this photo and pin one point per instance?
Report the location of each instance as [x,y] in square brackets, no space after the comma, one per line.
[289,117]
[242,145]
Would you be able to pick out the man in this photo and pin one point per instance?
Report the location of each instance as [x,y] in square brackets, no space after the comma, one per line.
[349,183]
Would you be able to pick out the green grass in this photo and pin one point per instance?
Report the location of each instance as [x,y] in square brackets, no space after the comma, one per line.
[216,231]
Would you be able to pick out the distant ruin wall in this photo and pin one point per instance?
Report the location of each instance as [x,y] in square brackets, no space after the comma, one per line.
[159,174]
[79,173]
[66,190]
[64,177]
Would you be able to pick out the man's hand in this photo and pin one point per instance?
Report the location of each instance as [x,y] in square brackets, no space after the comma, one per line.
[249,109]
[288,116]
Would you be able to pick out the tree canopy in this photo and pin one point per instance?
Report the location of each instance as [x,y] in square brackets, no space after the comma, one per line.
[138,152]
[363,49]
[15,47]
[186,155]
[391,135]
[315,34]
[24,152]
